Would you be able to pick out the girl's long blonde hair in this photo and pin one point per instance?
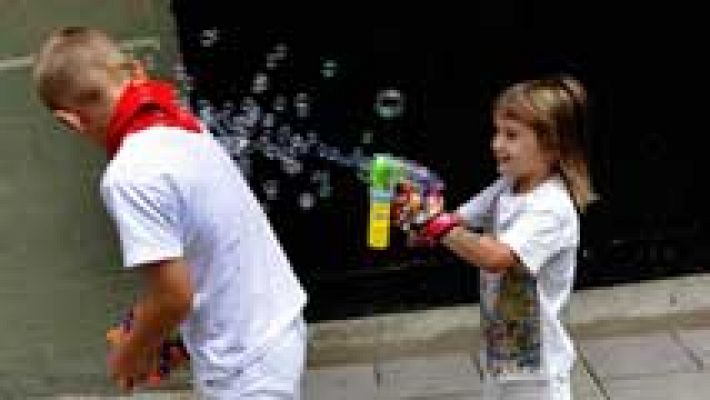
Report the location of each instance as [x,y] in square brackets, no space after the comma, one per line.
[555,108]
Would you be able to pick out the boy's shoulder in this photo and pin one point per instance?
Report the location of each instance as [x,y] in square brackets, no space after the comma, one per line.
[146,156]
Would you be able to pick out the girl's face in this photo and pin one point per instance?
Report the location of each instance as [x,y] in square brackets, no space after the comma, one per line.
[518,153]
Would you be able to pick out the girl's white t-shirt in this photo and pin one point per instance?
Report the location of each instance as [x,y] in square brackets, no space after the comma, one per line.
[522,331]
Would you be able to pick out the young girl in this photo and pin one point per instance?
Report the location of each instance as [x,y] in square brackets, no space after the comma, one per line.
[527,254]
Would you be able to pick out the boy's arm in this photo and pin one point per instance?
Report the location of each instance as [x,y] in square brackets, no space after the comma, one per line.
[166,301]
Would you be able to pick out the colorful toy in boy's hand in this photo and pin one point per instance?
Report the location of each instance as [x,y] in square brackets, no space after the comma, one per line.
[170,355]
[403,192]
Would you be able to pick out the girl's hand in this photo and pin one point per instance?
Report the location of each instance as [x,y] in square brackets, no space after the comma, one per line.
[414,207]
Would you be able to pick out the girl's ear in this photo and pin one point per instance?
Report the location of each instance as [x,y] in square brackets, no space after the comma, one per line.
[555,159]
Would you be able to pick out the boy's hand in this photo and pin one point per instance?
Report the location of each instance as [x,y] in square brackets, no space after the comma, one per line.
[137,358]
[123,368]
[129,369]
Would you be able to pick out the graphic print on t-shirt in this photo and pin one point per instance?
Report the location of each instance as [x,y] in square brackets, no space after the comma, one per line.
[510,313]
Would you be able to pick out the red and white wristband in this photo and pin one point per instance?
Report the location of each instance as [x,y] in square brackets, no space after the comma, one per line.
[438,227]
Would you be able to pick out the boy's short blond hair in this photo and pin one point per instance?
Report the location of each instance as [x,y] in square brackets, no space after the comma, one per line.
[74,63]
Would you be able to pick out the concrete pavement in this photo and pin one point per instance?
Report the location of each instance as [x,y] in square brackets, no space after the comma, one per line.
[647,341]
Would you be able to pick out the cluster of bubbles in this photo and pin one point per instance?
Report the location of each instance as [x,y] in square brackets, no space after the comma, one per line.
[270,123]
[209,37]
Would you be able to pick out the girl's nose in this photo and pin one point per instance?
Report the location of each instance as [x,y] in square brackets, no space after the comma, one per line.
[495,143]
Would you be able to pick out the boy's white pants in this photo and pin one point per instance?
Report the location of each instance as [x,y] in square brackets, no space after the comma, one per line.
[275,376]
[550,389]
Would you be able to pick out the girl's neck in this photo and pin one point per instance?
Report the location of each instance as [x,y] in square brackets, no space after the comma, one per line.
[525,184]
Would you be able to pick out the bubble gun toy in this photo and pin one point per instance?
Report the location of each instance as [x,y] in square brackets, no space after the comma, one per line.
[392,177]
[171,354]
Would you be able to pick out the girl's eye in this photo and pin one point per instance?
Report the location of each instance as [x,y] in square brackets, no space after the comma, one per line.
[510,134]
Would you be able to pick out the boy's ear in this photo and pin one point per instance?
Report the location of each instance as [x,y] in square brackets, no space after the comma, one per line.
[138,72]
[70,119]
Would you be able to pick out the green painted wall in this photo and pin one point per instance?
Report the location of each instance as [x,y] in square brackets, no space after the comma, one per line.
[61,283]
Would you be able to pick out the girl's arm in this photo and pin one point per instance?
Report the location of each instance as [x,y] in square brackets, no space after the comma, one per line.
[477,212]
[479,250]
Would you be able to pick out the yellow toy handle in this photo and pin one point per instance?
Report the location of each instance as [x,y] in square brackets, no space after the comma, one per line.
[378,232]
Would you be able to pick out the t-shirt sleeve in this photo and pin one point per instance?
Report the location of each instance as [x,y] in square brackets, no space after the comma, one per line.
[478,211]
[146,213]
[535,236]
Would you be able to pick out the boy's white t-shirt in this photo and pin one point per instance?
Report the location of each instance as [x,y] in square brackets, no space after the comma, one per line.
[176,194]
[523,335]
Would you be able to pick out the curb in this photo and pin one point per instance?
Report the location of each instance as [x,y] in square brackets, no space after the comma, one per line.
[615,309]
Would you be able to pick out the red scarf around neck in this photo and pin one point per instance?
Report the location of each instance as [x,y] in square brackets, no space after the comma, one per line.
[145,104]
